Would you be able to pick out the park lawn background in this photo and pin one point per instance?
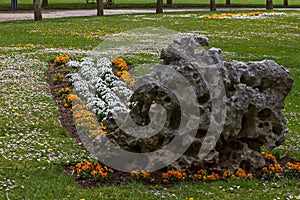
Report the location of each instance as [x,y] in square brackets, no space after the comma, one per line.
[34,169]
[69,4]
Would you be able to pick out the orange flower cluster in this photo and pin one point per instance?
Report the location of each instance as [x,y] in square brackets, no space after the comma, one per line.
[230,15]
[71,98]
[242,174]
[92,170]
[143,175]
[203,176]
[273,171]
[269,157]
[85,119]
[64,91]
[58,78]
[120,63]
[122,71]
[293,170]
[127,78]
[173,175]
[292,166]
[228,174]
[61,60]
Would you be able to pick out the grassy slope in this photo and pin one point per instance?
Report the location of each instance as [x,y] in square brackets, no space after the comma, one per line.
[268,38]
[27,4]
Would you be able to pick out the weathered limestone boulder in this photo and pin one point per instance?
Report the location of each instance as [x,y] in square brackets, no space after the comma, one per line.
[254,97]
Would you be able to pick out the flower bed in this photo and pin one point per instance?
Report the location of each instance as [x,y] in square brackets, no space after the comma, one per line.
[91,90]
[251,15]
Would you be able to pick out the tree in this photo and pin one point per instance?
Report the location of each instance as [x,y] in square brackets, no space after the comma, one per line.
[37,10]
[159,6]
[169,3]
[228,2]
[285,3]
[213,5]
[269,4]
[45,4]
[100,8]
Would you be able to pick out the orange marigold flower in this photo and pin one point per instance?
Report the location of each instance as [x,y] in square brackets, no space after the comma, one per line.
[94,172]
[89,165]
[289,164]
[104,175]
[165,175]
[84,167]
[294,167]
[178,175]
[270,172]
[214,176]
[226,174]
[79,171]
[98,168]
[272,169]
[232,176]
[145,174]
[195,176]
[278,175]
[78,165]
[170,173]
[119,73]
[241,173]
[250,175]
[278,167]
[134,173]
[264,169]
[202,171]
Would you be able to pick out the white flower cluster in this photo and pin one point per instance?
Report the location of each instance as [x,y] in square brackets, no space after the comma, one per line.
[97,85]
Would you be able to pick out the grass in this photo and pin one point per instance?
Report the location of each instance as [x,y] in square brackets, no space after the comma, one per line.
[27,4]
[33,145]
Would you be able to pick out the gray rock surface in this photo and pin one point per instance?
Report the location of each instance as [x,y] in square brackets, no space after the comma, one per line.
[254,97]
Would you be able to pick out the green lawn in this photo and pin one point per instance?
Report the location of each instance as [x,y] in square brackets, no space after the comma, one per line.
[33,145]
[27,4]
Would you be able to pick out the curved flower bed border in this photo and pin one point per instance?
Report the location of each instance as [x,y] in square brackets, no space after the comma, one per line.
[91,173]
[251,15]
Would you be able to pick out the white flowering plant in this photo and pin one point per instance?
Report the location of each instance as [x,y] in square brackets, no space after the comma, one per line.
[96,84]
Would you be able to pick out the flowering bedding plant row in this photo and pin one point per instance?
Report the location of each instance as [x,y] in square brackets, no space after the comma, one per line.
[272,172]
[251,15]
[104,87]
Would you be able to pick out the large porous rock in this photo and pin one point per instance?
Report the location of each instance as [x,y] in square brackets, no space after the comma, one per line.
[254,97]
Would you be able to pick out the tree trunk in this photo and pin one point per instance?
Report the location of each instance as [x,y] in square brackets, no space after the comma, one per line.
[14,4]
[37,10]
[228,3]
[159,6]
[110,3]
[269,4]
[213,5]
[285,3]
[45,4]
[100,11]
[169,3]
